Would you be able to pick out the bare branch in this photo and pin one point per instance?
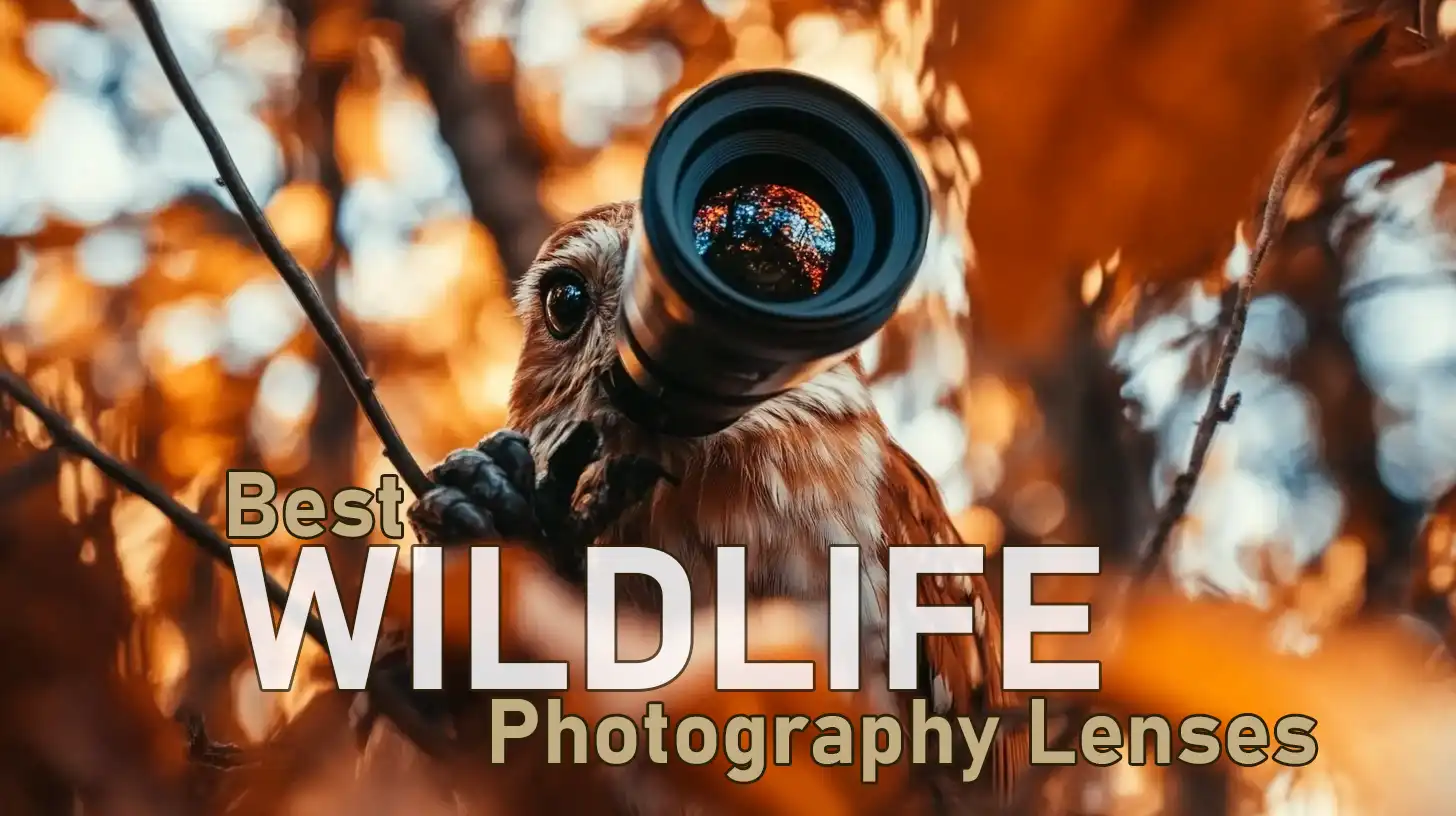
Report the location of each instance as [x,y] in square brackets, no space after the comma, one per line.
[297,279]
[65,435]
[1302,151]
[391,699]
[1220,408]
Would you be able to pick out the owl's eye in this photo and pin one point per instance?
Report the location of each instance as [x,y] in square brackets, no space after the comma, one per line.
[565,302]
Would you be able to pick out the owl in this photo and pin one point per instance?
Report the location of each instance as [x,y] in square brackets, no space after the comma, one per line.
[808,469]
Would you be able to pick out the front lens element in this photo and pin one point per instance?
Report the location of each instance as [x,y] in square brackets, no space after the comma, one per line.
[767,241]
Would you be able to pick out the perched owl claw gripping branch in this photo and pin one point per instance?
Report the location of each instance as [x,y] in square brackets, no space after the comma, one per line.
[808,469]
[481,493]
[491,491]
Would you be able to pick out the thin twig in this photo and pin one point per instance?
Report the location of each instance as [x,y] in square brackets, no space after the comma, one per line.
[1301,153]
[294,275]
[1220,409]
[391,699]
[203,750]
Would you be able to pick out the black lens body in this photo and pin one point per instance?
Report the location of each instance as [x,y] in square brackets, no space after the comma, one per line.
[694,353]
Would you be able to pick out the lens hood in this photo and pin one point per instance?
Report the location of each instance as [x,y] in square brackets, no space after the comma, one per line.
[696,353]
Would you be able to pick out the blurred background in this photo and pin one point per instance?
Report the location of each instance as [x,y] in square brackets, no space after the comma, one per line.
[413,153]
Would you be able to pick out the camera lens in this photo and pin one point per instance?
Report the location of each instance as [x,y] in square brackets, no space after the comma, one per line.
[781,222]
[768,241]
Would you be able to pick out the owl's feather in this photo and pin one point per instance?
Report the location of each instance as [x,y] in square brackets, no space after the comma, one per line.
[809,469]
[962,672]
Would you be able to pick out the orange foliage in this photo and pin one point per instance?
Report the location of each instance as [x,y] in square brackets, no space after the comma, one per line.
[51,11]
[25,86]
[1372,688]
[303,215]
[1145,128]
[356,140]
[338,27]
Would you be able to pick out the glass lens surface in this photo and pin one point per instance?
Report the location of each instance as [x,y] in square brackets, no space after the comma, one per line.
[767,241]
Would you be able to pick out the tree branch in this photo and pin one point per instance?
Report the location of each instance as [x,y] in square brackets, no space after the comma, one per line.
[480,124]
[66,436]
[1301,152]
[391,699]
[297,279]
[1219,408]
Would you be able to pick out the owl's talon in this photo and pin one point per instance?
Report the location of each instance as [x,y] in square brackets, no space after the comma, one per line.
[576,452]
[491,491]
[511,452]
[482,493]
[446,515]
[629,480]
[638,474]
[464,516]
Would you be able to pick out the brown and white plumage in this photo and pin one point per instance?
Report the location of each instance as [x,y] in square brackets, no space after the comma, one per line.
[811,468]
[964,672]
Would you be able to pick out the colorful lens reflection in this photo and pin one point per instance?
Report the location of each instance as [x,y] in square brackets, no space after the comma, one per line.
[766,240]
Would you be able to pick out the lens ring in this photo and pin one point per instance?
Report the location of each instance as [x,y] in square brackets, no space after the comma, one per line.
[736,117]
[695,352]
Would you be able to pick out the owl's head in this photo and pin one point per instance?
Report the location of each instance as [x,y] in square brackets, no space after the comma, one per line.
[568,304]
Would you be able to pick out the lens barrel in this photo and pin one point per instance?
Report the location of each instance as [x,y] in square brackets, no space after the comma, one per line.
[697,347]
